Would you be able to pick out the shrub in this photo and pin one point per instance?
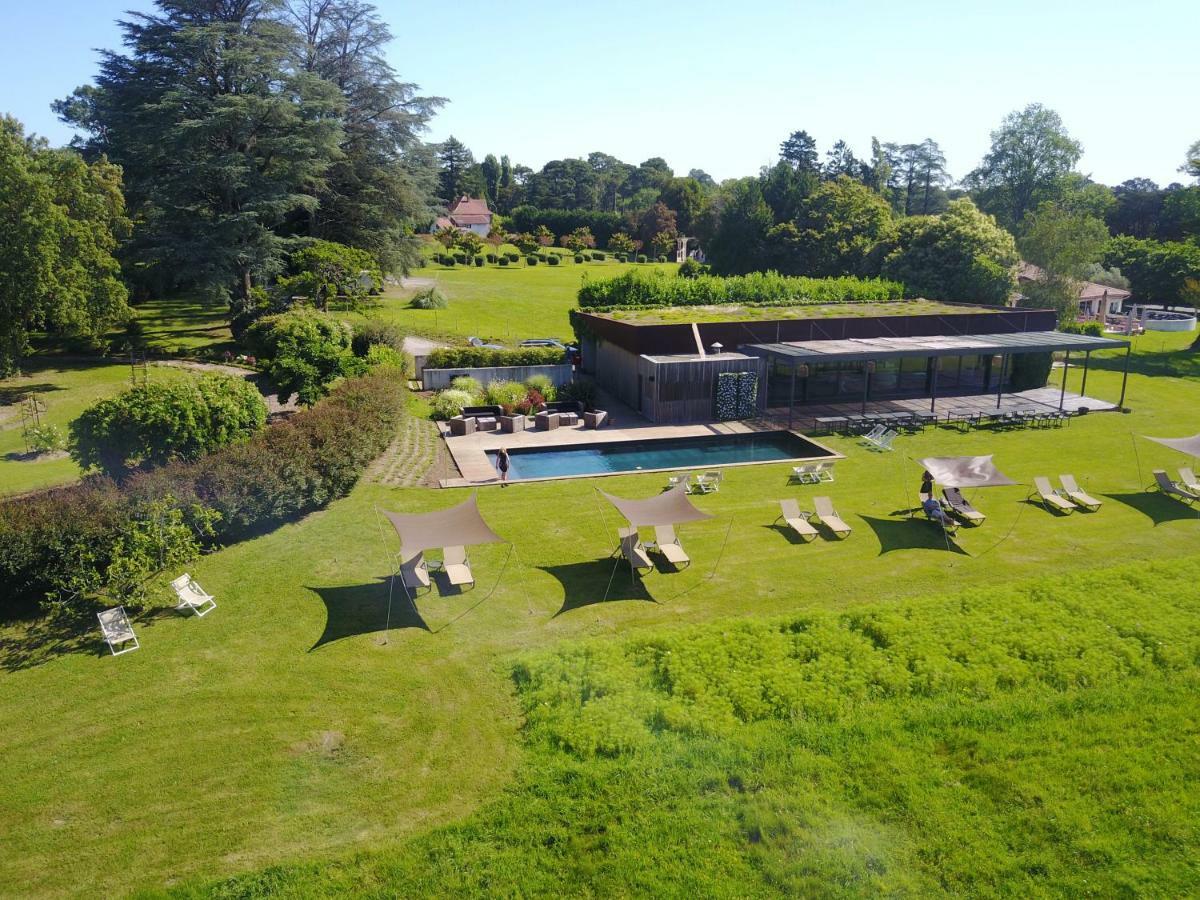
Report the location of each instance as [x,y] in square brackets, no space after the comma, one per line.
[1095,329]
[578,257]
[448,261]
[492,258]
[383,355]
[661,259]
[641,257]
[479,261]
[468,385]
[542,384]
[305,352]
[598,255]
[553,259]
[513,257]
[1030,370]
[483,358]
[504,393]
[622,257]
[156,423]
[429,298]
[448,404]
[691,268]
[504,260]
[460,258]
[46,439]
[376,332]
[579,390]
[531,260]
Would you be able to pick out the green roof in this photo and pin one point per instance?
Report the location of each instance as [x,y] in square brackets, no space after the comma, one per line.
[674,315]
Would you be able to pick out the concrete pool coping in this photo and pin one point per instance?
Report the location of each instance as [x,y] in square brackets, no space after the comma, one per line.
[470,451]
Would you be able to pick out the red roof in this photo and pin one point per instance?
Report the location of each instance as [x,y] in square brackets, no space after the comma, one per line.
[470,211]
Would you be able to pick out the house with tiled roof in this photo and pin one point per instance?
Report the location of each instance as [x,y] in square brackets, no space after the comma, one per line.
[1096,301]
[467,214]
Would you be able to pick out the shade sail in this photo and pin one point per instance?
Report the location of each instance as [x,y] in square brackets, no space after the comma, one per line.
[670,508]
[458,526]
[965,471]
[1189,445]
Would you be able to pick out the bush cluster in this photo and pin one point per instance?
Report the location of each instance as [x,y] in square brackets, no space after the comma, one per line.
[60,544]
[304,352]
[563,221]
[762,288]
[482,358]
[531,260]
[429,298]
[553,259]
[1095,329]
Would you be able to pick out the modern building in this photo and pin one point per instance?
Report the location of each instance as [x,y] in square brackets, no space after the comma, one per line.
[684,364]
[467,214]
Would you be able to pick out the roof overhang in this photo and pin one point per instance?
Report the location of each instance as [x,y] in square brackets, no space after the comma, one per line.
[866,349]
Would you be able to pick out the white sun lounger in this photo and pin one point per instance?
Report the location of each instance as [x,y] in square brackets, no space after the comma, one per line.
[789,511]
[828,517]
[1188,479]
[117,631]
[709,482]
[633,551]
[1050,498]
[825,471]
[1077,496]
[805,473]
[1171,489]
[191,596]
[886,439]
[668,545]
[873,436]
[414,572]
[456,566]
[676,480]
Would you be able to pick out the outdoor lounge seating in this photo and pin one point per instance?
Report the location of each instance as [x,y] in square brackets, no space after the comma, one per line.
[667,543]
[709,482]
[461,426]
[1080,498]
[938,516]
[828,517]
[961,508]
[675,480]
[476,412]
[117,631]
[512,424]
[633,550]
[1173,489]
[414,572]
[595,418]
[1188,479]
[546,421]
[192,597]
[456,566]
[1050,498]
[789,511]
[825,471]
[804,474]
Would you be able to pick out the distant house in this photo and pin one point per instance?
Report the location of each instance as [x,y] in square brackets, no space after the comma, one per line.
[467,214]
[1096,301]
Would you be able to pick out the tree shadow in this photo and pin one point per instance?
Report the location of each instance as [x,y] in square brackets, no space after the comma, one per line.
[15,393]
[48,638]
[363,609]
[911,534]
[584,583]
[1157,507]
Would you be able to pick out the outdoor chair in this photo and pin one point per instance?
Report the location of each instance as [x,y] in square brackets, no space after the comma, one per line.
[685,479]
[828,517]
[460,426]
[789,511]
[546,421]
[1050,498]
[874,434]
[667,543]
[825,471]
[885,441]
[192,597]
[1188,479]
[938,516]
[805,473]
[961,508]
[595,418]
[1172,489]
[1080,498]
[414,572]
[709,482]
[456,566]
[633,551]
[117,631]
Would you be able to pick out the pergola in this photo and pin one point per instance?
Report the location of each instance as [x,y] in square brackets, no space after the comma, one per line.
[798,355]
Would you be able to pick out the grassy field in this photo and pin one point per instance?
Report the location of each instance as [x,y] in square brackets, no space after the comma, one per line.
[294,737]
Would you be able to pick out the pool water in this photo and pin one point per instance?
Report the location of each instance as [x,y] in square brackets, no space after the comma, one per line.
[704,452]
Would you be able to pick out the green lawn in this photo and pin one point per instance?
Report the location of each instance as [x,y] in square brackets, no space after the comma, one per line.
[180,326]
[241,741]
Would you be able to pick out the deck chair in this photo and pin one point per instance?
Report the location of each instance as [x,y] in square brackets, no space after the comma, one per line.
[633,551]
[873,436]
[456,566]
[789,511]
[1188,480]
[805,473]
[1075,495]
[414,572]
[117,631]
[1171,489]
[1050,498]
[191,596]
[709,482]
[961,508]
[828,517]
[668,545]
[825,471]
[886,439]
[676,480]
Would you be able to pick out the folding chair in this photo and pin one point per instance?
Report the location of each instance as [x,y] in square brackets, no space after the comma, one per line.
[191,596]
[115,627]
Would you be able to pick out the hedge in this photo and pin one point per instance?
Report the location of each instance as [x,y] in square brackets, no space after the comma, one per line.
[563,221]
[761,288]
[483,358]
[290,468]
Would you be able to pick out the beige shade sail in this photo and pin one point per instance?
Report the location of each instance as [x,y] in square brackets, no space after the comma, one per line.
[965,471]
[670,508]
[458,526]
[1188,445]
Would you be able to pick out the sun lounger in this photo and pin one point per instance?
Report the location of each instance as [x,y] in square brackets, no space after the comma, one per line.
[456,566]
[1076,496]
[1188,479]
[939,518]
[1050,498]
[886,439]
[117,631]
[796,520]
[633,551]
[191,596]
[414,573]
[825,471]
[961,508]
[805,473]
[668,545]
[828,517]
[873,436]
[1171,489]
[676,480]
[709,482]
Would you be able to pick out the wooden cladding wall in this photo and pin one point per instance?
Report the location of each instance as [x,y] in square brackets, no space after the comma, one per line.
[681,391]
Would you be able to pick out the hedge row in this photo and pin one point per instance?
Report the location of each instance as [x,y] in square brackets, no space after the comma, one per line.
[563,221]
[636,288]
[292,467]
[482,358]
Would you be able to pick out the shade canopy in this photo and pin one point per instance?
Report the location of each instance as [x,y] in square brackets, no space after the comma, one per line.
[1188,445]
[670,508]
[965,471]
[458,526]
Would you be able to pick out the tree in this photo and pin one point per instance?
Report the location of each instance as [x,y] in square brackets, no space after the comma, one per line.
[159,422]
[663,243]
[525,242]
[457,175]
[1180,219]
[325,270]
[620,242]
[785,188]
[469,243]
[222,135]
[490,168]
[961,254]
[1191,165]
[739,243]
[658,219]
[545,237]
[800,152]
[1158,271]
[1030,155]
[1138,205]
[917,177]
[563,184]
[1064,245]
[686,197]
[840,160]
[839,227]
[62,220]
[304,352]
[447,236]
[579,240]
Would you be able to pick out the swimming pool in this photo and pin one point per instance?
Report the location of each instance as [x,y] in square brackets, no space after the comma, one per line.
[705,452]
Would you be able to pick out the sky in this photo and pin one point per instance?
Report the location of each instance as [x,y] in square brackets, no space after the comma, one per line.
[718,85]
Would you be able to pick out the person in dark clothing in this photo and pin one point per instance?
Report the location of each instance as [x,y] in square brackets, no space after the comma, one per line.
[926,485]
[502,465]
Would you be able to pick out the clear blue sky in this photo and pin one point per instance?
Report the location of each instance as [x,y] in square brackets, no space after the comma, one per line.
[717,85]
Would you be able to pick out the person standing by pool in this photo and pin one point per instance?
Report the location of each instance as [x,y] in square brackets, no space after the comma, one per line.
[502,465]
[926,485]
